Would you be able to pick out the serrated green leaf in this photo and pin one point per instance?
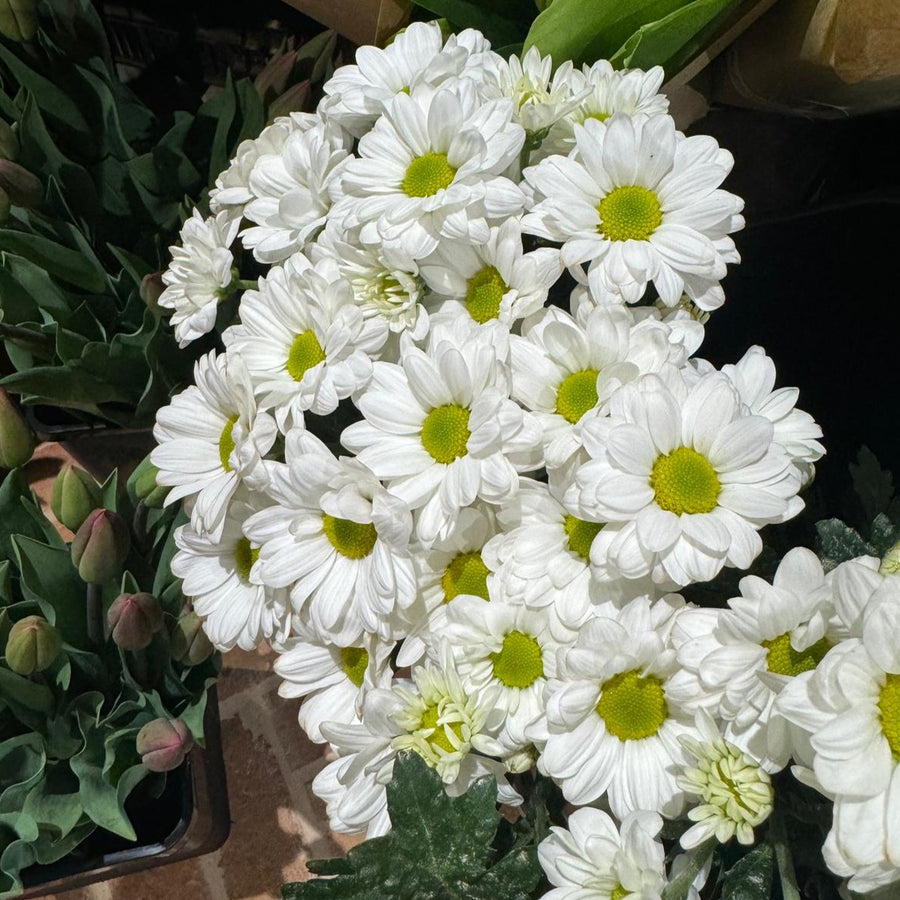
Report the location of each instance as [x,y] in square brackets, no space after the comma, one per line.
[884,534]
[873,485]
[750,878]
[838,542]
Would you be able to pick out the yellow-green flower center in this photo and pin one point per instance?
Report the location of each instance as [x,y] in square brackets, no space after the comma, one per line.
[889,707]
[354,662]
[305,352]
[445,433]
[581,535]
[577,394]
[438,737]
[427,175]
[684,481]
[632,706]
[226,443]
[783,659]
[485,291]
[599,116]
[629,213]
[354,540]
[518,663]
[466,574]
[619,892]
[244,558]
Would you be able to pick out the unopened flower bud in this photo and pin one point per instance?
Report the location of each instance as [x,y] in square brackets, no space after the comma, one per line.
[890,562]
[75,495]
[151,290]
[18,19]
[190,644]
[134,619]
[16,438]
[23,187]
[274,77]
[163,744]
[9,143]
[143,480]
[100,546]
[32,645]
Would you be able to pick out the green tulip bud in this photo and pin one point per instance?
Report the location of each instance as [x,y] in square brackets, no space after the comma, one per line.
[134,619]
[100,546]
[16,438]
[143,479]
[23,187]
[152,287]
[18,19]
[9,142]
[190,644]
[75,495]
[32,645]
[163,744]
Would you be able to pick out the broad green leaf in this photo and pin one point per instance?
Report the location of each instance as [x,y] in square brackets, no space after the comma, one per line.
[838,542]
[67,265]
[25,696]
[19,514]
[26,289]
[500,25]
[22,762]
[750,878]
[588,30]
[66,386]
[134,265]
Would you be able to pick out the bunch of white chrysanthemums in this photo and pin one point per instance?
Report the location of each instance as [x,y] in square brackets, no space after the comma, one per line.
[482,572]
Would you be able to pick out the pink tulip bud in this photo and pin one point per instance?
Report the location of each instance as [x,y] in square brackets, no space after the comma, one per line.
[134,619]
[163,744]
[100,546]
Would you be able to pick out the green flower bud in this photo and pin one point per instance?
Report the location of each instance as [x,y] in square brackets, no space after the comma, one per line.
[100,546]
[134,619]
[32,645]
[151,289]
[9,143]
[163,744]
[190,644]
[75,495]
[16,438]
[143,480]
[18,19]
[23,187]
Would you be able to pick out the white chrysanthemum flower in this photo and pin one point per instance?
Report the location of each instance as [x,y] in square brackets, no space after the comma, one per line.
[293,191]
[507,648]
[594,860]
[565,371]
[771,634]
[684,477]
[795,430]
[332,680]
[216,574]
[438,720]
[736,792]
[232,191]
[199,276]
[305,341]
[338,539]
[211,438]
[604,91]
[441,429]
[641,202]
[433,167]
[357,94]
[493,280]
[612,722]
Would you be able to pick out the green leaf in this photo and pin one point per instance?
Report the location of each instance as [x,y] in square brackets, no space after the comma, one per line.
[588,30]
[22,762]
[68,265]
[19,514]
[680,886]
[24,695]
[26,289]
[884,534]
[838,542]
[750,878]
[439,848]
[66,385]
[501,24]
[873,485]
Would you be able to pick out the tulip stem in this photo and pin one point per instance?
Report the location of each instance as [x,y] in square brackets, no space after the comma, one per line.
[139,668]
[95,614]
[25,336]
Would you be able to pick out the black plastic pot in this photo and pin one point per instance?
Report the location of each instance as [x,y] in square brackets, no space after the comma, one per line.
[190,818]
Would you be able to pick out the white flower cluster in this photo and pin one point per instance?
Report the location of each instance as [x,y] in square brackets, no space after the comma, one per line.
[485,577]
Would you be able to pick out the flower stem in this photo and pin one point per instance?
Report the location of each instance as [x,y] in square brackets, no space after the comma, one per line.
[25,336]
[678,887]
[95,614]
[778,839]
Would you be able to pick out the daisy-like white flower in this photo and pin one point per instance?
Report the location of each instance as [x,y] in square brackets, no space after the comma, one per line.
[338,539]
[200,274]
[292,191]
[770,634]
[211,438]
[493,280]
[641,202]
[333,681]
[604,91]
[232,191]
[433,167]
[592,859]
[736,792]
[216,574]
[612,722]
[441,429]
[565,371]
[305,341]
[684,479]
[795,430]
